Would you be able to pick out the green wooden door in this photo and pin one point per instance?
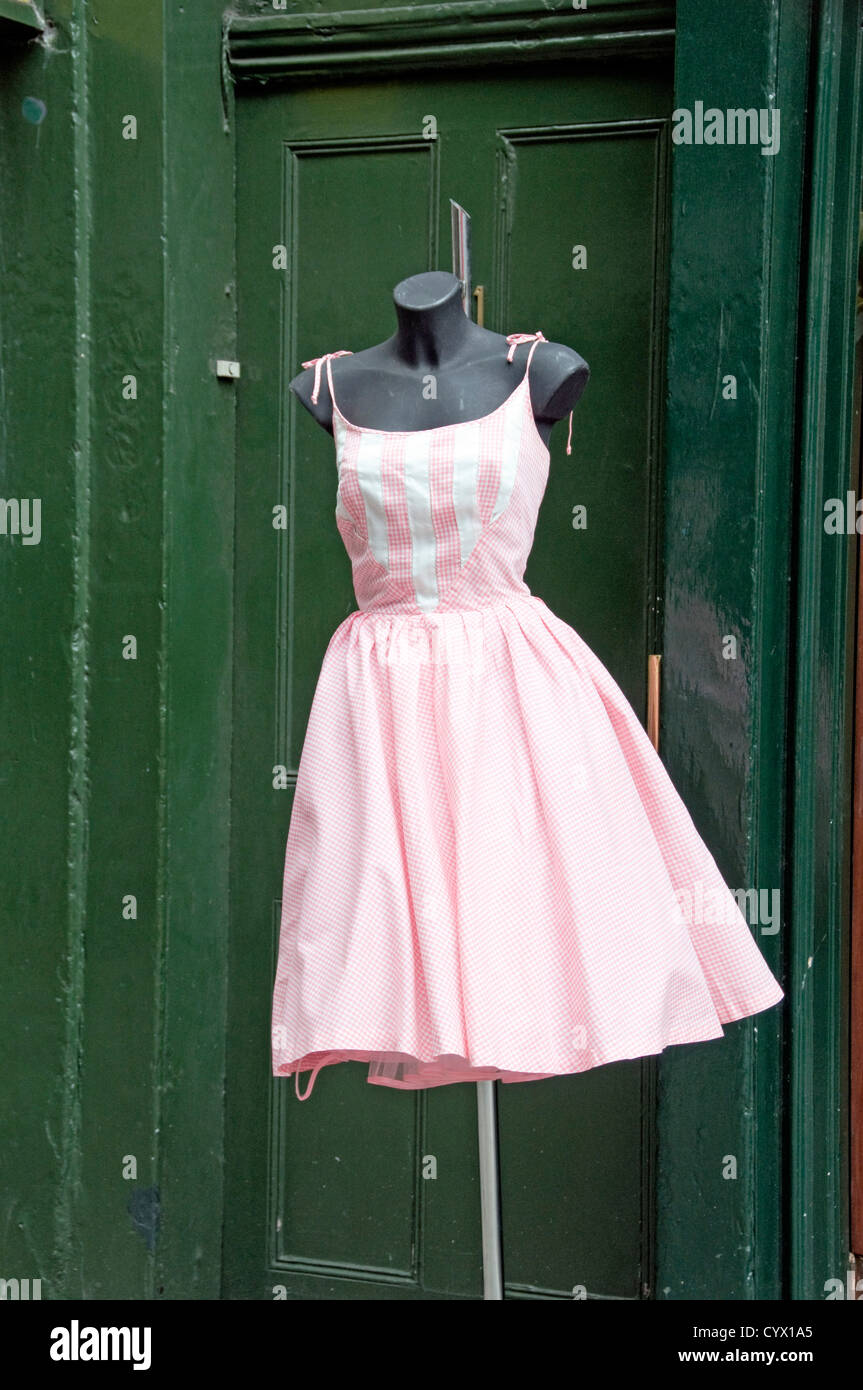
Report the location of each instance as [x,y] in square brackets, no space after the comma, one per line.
[337,1198]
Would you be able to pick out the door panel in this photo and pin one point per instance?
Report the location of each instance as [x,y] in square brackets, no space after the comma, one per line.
[362,1192]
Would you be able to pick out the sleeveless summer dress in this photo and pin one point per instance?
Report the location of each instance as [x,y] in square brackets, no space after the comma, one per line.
[489,873]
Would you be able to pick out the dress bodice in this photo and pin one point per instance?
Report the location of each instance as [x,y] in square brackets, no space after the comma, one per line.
[442,518]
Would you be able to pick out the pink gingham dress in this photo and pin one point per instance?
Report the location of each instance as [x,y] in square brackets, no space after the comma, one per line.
[489,873]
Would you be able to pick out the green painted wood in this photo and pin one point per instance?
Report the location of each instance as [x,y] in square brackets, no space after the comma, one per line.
[729,520]
[18,19]
[770,826]
[824,672]
[43,802]
[328,1196]
[572,1215]
[279,1229]
[122,986]
[263,46]
[116,1025]
[199,443]
[87,1062]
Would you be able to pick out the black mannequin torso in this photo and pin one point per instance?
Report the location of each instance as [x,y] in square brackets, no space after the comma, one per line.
[386,387]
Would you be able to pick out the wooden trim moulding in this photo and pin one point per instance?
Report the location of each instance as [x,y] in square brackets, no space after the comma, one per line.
[298,46]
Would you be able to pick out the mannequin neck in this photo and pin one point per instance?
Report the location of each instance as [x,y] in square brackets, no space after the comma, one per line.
[432,324]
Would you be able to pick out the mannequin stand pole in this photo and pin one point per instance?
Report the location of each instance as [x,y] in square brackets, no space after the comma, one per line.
[489,1187]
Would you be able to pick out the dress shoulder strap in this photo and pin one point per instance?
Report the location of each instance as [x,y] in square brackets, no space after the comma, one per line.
[535,339]
[317,363]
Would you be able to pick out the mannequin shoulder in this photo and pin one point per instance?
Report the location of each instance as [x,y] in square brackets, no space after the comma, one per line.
[303,387]
[558,377]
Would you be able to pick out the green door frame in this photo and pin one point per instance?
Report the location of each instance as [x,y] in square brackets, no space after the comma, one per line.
[727,55]
[820,844]
[735,287]
[797,279]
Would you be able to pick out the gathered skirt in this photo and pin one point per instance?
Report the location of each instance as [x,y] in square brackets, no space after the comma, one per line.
[489,874]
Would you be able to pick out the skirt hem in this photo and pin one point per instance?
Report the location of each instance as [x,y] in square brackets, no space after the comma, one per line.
[387,1065]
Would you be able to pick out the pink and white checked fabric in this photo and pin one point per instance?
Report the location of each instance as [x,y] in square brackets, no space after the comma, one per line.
[488,873]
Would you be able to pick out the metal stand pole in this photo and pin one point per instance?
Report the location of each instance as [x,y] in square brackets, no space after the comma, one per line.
[486,1097]
[489,1190]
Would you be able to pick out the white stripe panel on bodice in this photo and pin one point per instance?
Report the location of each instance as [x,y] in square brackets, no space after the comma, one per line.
[340,435]
[416,455]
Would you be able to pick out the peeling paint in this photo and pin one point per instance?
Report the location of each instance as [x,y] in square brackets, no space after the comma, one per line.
[143,1207]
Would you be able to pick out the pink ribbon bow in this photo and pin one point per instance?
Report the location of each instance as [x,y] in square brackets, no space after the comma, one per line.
[317,363]
[515,339]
